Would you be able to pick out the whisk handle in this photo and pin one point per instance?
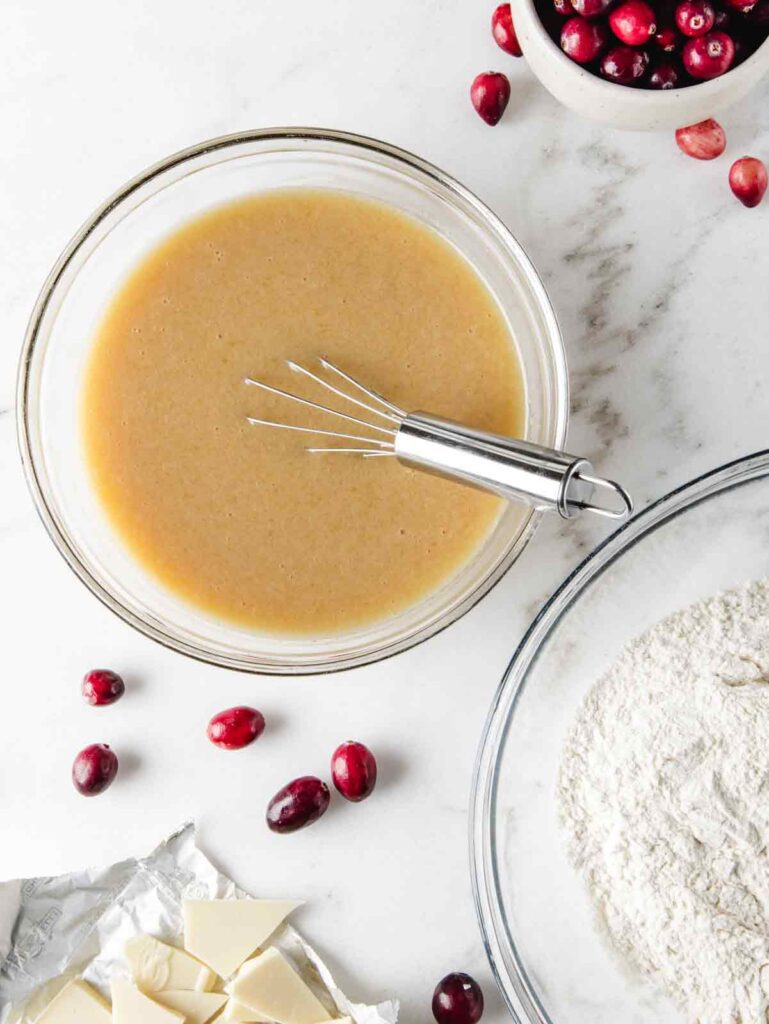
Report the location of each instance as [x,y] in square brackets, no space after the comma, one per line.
[511,468]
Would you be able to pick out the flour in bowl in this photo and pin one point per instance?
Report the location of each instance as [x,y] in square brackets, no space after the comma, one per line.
[664,795]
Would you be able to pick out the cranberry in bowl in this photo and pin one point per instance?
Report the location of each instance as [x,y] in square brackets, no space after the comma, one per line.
[655,63]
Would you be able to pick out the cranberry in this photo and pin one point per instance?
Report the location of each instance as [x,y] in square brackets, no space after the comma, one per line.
[748,180]
[664,76]
[624,65]
[102,686]
[741,5]
[633,22]
[583,40]
[695,17]
[704,141]
[457,1000]
[591,8]
[709,56]
[489,94]
[353,769]
[94,769]
[758,17]
[299,803]
[565,8]
[503,30]
[666,39]
[236,727]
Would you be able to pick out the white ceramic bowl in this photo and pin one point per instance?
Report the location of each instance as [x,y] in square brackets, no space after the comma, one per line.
[618,105]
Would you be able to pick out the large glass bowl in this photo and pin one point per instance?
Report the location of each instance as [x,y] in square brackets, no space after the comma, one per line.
[549,959]
[105,250]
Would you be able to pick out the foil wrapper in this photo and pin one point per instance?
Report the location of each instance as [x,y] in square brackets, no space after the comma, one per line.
[53,929]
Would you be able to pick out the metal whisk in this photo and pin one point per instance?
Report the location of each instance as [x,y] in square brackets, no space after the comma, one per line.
[511,468]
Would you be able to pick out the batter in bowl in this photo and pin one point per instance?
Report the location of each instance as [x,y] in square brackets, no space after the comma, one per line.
[238,520]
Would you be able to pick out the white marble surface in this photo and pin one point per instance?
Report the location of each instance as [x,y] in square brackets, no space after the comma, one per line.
[659,278]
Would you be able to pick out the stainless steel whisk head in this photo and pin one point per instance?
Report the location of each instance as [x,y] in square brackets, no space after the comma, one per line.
[511,468]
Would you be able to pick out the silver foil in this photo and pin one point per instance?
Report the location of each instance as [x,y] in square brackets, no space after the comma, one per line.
[52,929]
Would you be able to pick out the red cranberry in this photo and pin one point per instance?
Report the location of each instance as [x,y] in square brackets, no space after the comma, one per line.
[704,141]
[695,17]
[236,727]
[624,65]
[583,40]
[748,180]
[591,8]
[299,803]
[664,76]
[565,8]
[353,769]
[102,686]
[741,5]
[633,22]
[457,1000]
[94,769]
[709,56]
[503,30]
[490,93]
[666,39]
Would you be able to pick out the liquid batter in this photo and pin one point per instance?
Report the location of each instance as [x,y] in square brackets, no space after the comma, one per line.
[237,519]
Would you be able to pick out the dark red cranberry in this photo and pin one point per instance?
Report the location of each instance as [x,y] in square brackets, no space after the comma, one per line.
[758,17]
[664,76]
[583,40]
[298,804]
[666,39]
[747,178]
[490,94]
[503,30]
[457,1000]
[624,65]
[94,769]
[565,8]
[353,769]
[102,686]
[695,17]
[741,5]
[709,56]
[591,8]
[236,727]
[665,11]
[633,22]
[704,141]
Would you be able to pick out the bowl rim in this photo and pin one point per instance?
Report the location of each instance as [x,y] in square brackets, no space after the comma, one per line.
[50,519]
[642,98]
[507,967]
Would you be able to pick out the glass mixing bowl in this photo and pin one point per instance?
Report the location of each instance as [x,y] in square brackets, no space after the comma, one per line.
[548,957]
[106,249]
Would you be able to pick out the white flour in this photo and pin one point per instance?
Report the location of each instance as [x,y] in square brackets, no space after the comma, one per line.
[664,793]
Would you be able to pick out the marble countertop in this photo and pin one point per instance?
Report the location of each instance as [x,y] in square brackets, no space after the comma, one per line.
[659,278]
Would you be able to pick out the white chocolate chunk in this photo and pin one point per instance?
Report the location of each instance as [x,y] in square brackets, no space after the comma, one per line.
[77,1003]
[237,1013]
[197,1007]
[271,986]
[156,967]
[130,1006]
[224,933]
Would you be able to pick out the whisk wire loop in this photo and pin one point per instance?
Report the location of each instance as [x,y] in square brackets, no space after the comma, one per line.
[509,467]
[342,394]
[319,408]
